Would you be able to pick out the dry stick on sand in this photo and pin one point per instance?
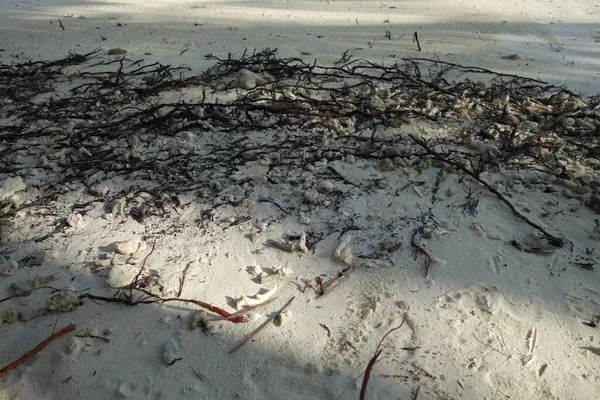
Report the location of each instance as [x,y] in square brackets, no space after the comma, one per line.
[136,280]
[5,370]
[554,240]
[320,282]
[261,328]
[363,389]
[28,292]
[330,285]
[151,298]
[227,315]
[182,279]
[417,40]
[415,243]
[243,312]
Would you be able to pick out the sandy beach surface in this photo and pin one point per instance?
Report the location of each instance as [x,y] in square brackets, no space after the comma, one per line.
[223,200]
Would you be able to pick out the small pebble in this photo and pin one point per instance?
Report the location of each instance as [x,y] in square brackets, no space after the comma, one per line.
[310,196]
[261,226]
[128,247]
[51,255]
[170,350]
[75,220]
[325,186]
[304,220]
[391,152]
[20,289]
[29,315]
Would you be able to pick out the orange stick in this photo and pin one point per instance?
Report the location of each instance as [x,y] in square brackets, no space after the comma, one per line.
[5,370]
[217,310]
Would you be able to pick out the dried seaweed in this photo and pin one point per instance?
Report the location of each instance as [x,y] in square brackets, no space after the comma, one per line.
[111,119]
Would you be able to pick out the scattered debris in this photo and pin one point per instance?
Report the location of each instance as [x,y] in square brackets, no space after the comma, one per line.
[255,300]
[275,275]
[292,242]
[534,244]
[63,302]
[515,124]
[343,253]
[8,315]
[201,319]
[75,220]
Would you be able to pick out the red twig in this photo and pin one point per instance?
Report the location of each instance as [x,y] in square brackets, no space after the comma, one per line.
[243,312]
[415,243]
[136,280]
[182,279]
[319,280]
[227,315]
[152,298]
[394,248]
[363,389]
[428,259]
[5,370]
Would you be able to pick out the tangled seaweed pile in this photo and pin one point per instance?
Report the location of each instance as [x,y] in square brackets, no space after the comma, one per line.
[86,121]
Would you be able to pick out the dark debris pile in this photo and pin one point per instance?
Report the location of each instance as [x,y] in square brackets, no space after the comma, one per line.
[86,119]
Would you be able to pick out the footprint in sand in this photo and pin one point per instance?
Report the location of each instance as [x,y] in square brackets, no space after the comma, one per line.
[484,298]
[496,263]
[449,299]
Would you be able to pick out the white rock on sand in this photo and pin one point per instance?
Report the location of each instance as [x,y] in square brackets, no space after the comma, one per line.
[10,186]
[121,276]
[127,247]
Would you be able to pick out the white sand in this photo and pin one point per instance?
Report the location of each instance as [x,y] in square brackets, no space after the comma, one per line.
[489,321]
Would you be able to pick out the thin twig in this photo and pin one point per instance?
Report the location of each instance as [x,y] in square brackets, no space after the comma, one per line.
[475,69]
[327,287]
[244,311]
[182,279]
[420,249]
[5,370]
[319,280]
[417,393]
[261,328]
[554,240]
[105,340]
[210,307]
[157,299]
[491,347]
[135,281]
[417,40]
[363,389]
